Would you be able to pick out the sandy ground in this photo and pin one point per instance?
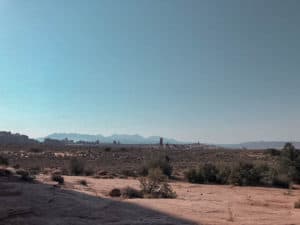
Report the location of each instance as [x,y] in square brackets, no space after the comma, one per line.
[209,204]
[196,204]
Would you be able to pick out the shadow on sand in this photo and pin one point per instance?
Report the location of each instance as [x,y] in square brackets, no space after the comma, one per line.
[43,204]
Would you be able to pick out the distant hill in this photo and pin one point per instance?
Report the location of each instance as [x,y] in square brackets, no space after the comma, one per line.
[260,145]
[123,138]
[10,138]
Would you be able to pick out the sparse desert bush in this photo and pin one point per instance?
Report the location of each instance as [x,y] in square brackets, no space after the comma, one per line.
[290,162]
[281,181]
[130,192]
[35,170]
[16,166]
[246,173]
[77,167]
[107,149]
[89,171]
[35,150]
[210,172]
[155,185]
[128,173]
[194,176]
[161,162]
[5,172]
[223,175]
[58,178]
[3,161]
[116,192]
[297,204]
[238,174]
[24,175]
[83,182]
[273,152]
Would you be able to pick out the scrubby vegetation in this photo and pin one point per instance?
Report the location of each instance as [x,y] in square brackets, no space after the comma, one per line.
[3,161]
[116,192]
[155,185]
[130,192]
[161,162]
[25,175]
[58,178]
[281,174]
[297,204]
[83,182]
[77,167]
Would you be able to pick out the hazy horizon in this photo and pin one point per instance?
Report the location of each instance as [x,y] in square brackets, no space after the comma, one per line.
[208,71]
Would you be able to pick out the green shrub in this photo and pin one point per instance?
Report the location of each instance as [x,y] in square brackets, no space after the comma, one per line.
[273,152]
[128,173]
[5,172]
[58,178]
[3,161]
[107,149]
[281,181]
[83,182]
[35,150]
[223,175]
[290,162]
[194,176]
[239,174]
[297,204]
[35,170]
[24,175]
[77,167]
[115,192]
[246,173]
[89,171]
[162,162]
[130,192]
[210,172]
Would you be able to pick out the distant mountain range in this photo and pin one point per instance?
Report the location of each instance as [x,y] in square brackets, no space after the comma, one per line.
[260,145]
[122,138]
[138,139]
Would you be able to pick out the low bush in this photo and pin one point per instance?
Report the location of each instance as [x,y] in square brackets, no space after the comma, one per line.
[25,175]
[161,162]
[273,152]
[58,178]
[83,182]
[245,173]
[3,161]
[128,173]
[194,176]
[89,171]
[107,149]
[281,181]
[242,173]
[35,170]
[116,192]
[155,185]
[5,172]
[130,192]
[35,150]
[297,204]
[77,167]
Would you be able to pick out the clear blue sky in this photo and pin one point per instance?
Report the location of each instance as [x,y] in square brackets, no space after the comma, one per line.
[213,71]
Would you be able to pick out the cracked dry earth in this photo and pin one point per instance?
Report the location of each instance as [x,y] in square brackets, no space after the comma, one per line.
[74,204]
